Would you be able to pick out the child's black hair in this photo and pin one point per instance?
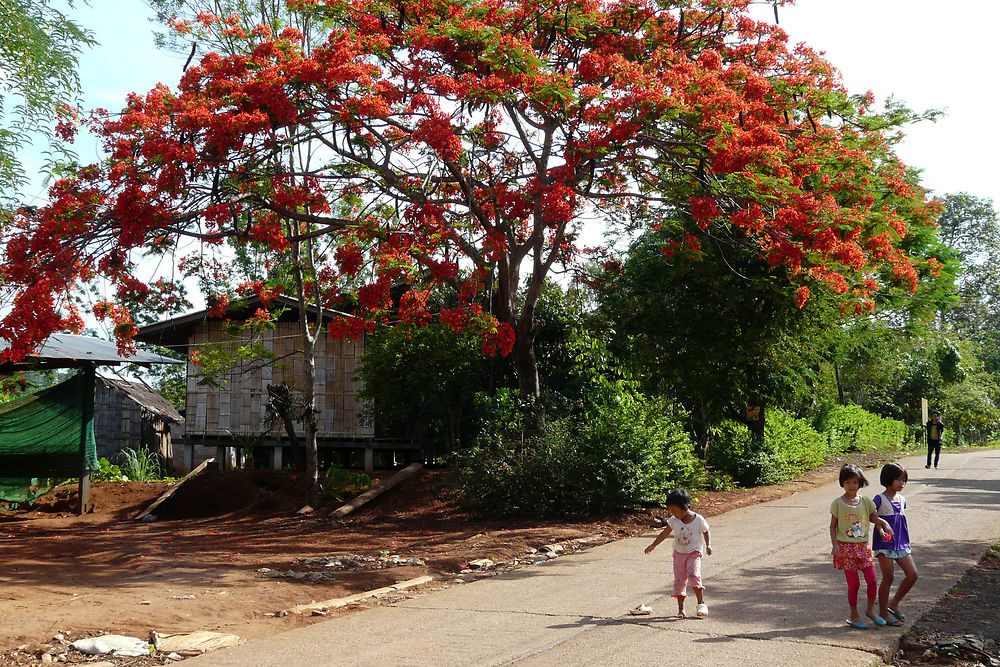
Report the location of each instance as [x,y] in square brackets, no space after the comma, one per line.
[680,498]
[849,470]
[891,472]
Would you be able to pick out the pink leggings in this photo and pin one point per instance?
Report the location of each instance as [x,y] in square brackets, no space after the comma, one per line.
[854,584]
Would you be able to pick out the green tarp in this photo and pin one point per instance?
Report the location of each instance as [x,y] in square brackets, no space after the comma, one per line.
[47,435]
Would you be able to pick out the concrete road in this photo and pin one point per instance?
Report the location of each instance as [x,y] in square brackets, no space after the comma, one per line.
[773,594]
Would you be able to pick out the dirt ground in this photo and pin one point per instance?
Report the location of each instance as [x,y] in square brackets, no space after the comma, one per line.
[230,554]
[963,628]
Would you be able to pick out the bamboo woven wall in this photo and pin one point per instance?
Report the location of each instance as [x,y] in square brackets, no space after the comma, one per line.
[239,406]
[117,421]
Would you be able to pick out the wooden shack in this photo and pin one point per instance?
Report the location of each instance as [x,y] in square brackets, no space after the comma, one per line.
[220,421]
[131,414]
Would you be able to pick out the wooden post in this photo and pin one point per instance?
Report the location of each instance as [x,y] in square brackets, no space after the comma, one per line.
[369,459]
[276,457]
[221,454]
[189,456]
[85,504]
[86,417]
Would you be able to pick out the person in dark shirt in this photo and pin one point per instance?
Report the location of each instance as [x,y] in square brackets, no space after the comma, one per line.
[935,429]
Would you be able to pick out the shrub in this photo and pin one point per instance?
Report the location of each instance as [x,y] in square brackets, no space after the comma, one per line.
[618,454]
[140,465]
[108,472]
[790,447]
[339,483]
[850,428]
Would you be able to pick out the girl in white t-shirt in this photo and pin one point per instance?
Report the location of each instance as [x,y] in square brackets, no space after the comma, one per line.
[691,540]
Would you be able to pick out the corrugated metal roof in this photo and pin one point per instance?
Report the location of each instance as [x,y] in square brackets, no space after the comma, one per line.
[71,351]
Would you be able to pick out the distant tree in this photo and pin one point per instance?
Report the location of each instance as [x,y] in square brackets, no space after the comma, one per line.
[969,227]
[421,383]
[39,85]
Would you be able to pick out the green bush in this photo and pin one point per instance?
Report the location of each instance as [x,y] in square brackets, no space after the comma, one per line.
[619,453]
[339,483]
[108,472]
[790,447]
[850,428]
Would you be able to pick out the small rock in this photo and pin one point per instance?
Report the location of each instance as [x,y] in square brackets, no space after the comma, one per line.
[47,658]
[146,602]
[305,510]
[174,656]
[59,638]
[481,564]
[318,612]
[281,614]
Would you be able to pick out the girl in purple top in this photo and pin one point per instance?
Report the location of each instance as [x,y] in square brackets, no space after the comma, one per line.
[891,507]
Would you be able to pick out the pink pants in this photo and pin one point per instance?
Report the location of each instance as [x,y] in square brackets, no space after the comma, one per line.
[853,584]
[687,569]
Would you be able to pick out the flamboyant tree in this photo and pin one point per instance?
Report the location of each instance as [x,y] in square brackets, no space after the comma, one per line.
[468,142]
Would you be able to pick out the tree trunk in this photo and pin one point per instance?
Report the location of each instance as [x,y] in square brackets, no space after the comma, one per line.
[525,364]
[840,386]
[701,431]
[309,414]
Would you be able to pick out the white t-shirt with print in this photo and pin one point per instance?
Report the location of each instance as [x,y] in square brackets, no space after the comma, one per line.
[688,536]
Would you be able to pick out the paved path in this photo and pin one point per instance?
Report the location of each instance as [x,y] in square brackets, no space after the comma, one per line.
[774,596]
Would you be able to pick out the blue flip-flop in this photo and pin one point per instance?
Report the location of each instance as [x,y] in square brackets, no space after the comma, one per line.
[899,617]
[877,620]
[860,625]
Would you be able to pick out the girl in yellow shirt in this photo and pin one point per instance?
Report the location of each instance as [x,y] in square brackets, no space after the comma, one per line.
[850,521]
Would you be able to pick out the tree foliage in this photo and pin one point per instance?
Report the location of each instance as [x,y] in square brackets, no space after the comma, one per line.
[39,48]
[483,133]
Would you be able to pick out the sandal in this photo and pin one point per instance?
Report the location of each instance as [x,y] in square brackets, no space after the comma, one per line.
[860,625]
[899,616]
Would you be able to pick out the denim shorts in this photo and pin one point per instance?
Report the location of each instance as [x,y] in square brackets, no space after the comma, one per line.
[893,553]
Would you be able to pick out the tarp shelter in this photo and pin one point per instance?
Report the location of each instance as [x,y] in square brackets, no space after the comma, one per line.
[50,434]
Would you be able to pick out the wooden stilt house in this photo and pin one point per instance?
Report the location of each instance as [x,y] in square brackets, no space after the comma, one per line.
[225,420]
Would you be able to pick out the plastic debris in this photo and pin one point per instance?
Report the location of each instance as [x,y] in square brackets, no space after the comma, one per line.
[118,645]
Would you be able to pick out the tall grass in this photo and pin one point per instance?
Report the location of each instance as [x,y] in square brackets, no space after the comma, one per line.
[140,465]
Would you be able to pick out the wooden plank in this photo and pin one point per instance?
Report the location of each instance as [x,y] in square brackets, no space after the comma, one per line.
[377,490]
[173,489]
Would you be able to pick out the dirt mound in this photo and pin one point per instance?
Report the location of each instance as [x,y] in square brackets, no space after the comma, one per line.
[217,494]
[111,499]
